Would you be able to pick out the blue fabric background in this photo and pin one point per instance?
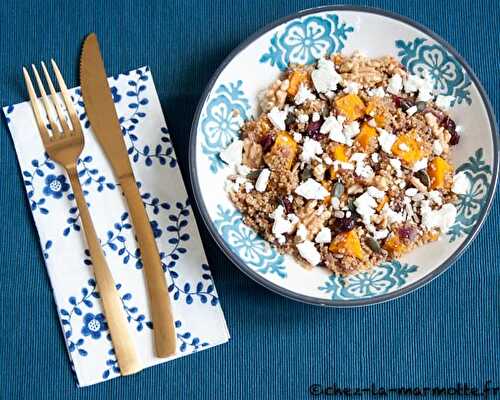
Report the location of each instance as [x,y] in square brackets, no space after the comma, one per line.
[445,333]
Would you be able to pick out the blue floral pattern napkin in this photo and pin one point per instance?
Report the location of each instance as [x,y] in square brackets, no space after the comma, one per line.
[199,320]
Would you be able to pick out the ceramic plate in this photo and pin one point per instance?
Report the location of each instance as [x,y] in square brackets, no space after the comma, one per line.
[302,38]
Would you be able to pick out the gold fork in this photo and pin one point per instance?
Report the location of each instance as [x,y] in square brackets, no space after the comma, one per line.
[64,146]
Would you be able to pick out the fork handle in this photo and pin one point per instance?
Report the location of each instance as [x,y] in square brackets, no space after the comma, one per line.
[123,343]
[159,300]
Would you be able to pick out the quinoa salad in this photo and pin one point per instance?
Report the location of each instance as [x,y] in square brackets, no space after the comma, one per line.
[348,164]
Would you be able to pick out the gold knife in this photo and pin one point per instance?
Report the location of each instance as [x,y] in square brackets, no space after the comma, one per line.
[103,119]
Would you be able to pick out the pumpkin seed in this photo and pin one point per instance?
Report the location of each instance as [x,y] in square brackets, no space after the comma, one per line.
[290,119]
[373,244]
[351,206]
[423,177]
[338,190]
[421,105]
[252,175]
[306,173]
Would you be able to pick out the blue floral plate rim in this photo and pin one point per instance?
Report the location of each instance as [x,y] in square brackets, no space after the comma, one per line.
[209,223]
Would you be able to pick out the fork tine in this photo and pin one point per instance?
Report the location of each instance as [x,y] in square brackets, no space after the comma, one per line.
[46,102]
[55,101]
[36,110]
[67,98]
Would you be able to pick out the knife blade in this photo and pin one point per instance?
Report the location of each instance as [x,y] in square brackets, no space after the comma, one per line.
[103,118]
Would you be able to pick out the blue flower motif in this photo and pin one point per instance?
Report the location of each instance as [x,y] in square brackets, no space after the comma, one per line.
[224,115]
[8,110]
[116,96]
[471,203]
[305,40]
[156,229]
[55,186]
[450,78]
[187,340]
[380,280]
[94,325]
[255,251]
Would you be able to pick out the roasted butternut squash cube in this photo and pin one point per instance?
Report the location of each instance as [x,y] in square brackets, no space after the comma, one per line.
[347,243]
[351,106]
[379,120]
[370,108]
[439,170]
[367,138]
[338,152]
[296,78]
[394,245]
[407,149]
[285,147]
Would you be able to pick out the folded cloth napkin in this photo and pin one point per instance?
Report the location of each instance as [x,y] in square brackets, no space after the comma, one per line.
[199,320]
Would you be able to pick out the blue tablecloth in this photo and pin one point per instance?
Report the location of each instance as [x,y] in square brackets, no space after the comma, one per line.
[446,333]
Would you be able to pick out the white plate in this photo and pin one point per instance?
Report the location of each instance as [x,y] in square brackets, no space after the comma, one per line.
[302,38]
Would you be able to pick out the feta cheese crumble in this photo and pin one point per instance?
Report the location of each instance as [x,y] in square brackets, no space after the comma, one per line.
[333,126]
[396,164]
[437,147]
[351,130]
[395,84]
[365,207]
[386,140]
[392,216]
[303,118]
[442,218]
[376,92]
[310,149]
[375,193]
[311,190]
[242,169]
[301,233]
[411,192]
[325,78]
[420,164]
[297,136]
[362,170]
[277,118]
[412,110]
[309,252]
[460,184]
[435,197]
[232,154]
[324,235]
[303,95]
[262,180]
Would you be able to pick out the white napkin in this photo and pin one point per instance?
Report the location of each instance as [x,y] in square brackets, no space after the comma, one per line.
[198,317]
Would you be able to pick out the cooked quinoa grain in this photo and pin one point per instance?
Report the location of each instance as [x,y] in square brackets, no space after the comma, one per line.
[348,164]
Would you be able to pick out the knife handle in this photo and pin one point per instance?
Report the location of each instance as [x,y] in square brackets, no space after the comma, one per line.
[159,299]
[123,341]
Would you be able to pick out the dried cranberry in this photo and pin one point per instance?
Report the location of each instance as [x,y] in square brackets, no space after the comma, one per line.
[312,129]
[287,205]
[403,103]
[344,224]
[448,124]
[455,138]
[267,142]
[407,232]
